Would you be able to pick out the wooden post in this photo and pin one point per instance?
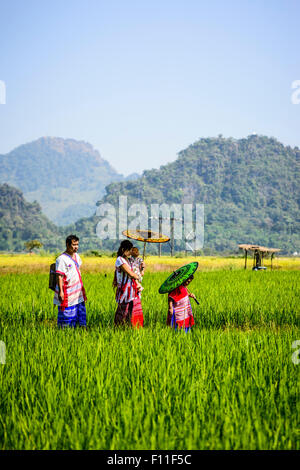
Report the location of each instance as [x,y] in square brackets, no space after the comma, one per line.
[159,245]
[246,253]
[172,236]
[144,250]
[272,261]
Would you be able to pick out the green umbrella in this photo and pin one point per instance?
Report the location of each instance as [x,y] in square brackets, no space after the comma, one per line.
[178,277]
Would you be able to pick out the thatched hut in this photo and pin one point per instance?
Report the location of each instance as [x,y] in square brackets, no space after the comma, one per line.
[259,253]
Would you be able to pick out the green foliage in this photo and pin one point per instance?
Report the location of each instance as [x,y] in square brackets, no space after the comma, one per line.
[22,222]
[45,253]
[93,253]
[33,244]
[249,188]
[65,176]
[230,384]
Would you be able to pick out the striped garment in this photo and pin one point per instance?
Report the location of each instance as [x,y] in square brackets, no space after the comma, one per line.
[74,292]
[126,287]
[130,313]
[72,316]
[182,309]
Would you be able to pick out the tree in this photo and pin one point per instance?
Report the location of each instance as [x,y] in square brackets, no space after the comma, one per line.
[32,244]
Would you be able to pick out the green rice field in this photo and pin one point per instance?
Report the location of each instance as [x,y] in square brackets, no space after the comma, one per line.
[229,384]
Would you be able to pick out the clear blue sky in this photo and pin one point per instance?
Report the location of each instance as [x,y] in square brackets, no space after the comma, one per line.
[142,80]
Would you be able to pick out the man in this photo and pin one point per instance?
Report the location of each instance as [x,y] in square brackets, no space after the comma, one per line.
[69,292]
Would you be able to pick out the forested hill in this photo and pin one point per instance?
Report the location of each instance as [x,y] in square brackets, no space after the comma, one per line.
[65,176]
[250,189]
[21,221]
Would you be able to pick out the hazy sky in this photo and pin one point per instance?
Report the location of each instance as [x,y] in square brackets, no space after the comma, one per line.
[142,80]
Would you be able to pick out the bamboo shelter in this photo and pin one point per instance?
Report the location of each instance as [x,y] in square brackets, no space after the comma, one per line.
[259,253]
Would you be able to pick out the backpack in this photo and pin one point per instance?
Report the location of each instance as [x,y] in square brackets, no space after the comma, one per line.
[52,276]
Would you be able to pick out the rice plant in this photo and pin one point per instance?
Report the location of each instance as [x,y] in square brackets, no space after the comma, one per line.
[230,384]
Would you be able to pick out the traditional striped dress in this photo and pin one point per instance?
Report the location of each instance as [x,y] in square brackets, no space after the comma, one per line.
[129,303]
[182,315]
[72,309]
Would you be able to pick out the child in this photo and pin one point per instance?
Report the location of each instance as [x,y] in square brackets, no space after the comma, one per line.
[180,311]
[138,266]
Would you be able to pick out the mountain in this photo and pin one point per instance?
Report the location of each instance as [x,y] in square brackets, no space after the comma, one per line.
[21,221]
[132,177]
[249,188]
[65,176]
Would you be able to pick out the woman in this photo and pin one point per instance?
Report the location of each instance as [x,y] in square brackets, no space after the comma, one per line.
[129,309]
[180,313]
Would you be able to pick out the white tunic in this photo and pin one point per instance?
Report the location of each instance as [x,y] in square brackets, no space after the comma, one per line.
[72,281]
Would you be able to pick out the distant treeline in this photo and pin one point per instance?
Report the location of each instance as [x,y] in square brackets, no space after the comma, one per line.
[249,188]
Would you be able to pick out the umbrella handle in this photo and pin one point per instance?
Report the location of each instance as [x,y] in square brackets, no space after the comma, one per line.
[194,298]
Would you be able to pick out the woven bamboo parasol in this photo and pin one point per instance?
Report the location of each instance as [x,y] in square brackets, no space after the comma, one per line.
[145,236]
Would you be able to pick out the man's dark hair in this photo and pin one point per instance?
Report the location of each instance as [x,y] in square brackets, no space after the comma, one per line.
[70,238]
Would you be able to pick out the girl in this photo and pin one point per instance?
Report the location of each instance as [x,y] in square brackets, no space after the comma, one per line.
[180,313]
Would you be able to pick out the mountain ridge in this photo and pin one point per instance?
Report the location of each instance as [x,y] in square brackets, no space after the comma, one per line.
[21,221]
[65,176]
[249,186]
